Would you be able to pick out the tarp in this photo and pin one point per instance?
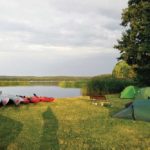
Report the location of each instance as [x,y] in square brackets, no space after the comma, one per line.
[129,92]
[143,93]
[138,110]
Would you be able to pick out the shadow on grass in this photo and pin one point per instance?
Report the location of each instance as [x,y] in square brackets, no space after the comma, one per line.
[49,140]
[9,130]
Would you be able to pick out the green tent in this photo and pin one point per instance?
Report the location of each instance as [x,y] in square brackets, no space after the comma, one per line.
[143,93]
[129,92]
[138,110]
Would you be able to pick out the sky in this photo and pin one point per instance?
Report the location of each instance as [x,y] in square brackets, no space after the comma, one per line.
[59,37]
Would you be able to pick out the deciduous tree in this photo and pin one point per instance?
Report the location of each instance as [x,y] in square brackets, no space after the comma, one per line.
[134,46]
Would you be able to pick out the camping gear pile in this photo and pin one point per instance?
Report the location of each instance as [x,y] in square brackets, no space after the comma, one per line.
[139,109]
[17,99]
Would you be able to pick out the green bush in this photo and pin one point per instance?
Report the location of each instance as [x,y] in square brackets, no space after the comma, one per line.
[107,85]
[122,71]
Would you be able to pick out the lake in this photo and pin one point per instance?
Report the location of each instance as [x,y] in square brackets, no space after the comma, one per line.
[49,91]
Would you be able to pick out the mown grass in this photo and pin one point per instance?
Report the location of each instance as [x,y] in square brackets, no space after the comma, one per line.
[71,124]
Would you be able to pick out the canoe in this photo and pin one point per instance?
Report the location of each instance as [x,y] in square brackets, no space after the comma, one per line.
[46,99]
[34,99]
[25,101]
[5,100]
[15,99]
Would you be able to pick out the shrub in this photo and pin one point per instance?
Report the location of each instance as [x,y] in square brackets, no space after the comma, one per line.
[122,70]
[107,85]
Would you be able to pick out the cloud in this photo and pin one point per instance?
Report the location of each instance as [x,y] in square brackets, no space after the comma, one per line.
[58,30]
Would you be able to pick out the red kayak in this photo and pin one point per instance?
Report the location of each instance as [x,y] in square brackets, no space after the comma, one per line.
[36,99]
[26,100]
[46,99]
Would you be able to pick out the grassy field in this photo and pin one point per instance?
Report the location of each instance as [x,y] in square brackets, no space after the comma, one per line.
[71,124]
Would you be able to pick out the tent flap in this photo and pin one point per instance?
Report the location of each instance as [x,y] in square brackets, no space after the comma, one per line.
[139,110]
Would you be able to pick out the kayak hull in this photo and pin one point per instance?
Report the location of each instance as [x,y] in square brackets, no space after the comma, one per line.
[46,99]
[5,101]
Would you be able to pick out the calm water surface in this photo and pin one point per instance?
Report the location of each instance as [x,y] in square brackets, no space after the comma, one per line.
[50,91]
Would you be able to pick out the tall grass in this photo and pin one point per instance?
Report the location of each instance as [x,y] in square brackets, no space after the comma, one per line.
[107,85]
[26,83]
[14,83]
[74,84]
